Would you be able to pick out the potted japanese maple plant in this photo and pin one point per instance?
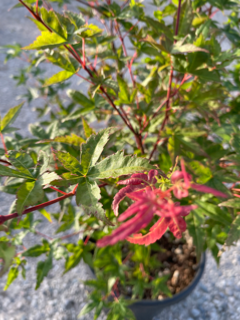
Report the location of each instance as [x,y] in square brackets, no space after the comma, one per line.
[145,215]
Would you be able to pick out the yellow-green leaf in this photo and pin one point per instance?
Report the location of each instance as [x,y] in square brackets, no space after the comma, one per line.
[46,214]
[46,40]
[58,77]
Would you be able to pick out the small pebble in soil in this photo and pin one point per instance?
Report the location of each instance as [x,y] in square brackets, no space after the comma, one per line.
[166,271]
[175,277]
[178,251]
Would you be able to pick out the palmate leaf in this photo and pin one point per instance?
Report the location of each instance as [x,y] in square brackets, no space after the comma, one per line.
[52,20]
[47,178]
[63,61]
[46,40]
[88,194]
[8,172]
[29,193]
[21,160]
[70,163]
[85,171]
[118,165]
[93,148]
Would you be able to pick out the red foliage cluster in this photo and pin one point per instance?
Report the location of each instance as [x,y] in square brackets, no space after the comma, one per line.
[150,201]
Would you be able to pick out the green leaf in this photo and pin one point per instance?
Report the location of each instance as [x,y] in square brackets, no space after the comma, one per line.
[186,18]
[10,117]
[7,253]
[87,195]
[93,148]
[87,129]
[38,131]
[213,212]
[37,250]
[73,139]
[80,98]
[195,221]
[185,48]
[117,165]
[123,93]
[235,142]
[111,282]
[46,214]
[59,77]
[206,75]
[234,233]
[73,260]
[231,203]
[52,20]
[87,308]
[70,163]
[76,19]
[6,171]
[154,44]
[12,275]
[78,113]
[159,285]
[46,40]
[21,160]
[47,178]
[43,267]
[28,194]
[63,61]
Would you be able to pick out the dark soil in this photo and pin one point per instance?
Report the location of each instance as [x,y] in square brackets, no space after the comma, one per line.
[178,261]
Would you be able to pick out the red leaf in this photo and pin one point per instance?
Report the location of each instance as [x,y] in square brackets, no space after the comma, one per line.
[151,176]
[141,220]
[131,181]
[206,189]
[177,225]
[155,233]
[120,196]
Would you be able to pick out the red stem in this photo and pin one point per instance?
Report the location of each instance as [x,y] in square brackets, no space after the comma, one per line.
[168,108]
[60,191]
[130,29]
[73,52]
[83,52]
[4,161]
[37,8]
[37,207]
[3,142]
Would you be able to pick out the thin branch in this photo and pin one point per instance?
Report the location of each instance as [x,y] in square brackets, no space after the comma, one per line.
[168,108]
[60,191]
[4,161]
[130,29]
[74,53]
[3,142]
[37,8]
[37,207]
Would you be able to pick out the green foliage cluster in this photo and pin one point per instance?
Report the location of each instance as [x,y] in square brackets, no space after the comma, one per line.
[172,95]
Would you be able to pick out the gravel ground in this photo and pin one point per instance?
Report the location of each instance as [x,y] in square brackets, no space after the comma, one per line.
[217,297]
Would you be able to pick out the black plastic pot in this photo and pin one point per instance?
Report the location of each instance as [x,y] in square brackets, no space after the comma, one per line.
[147,309]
